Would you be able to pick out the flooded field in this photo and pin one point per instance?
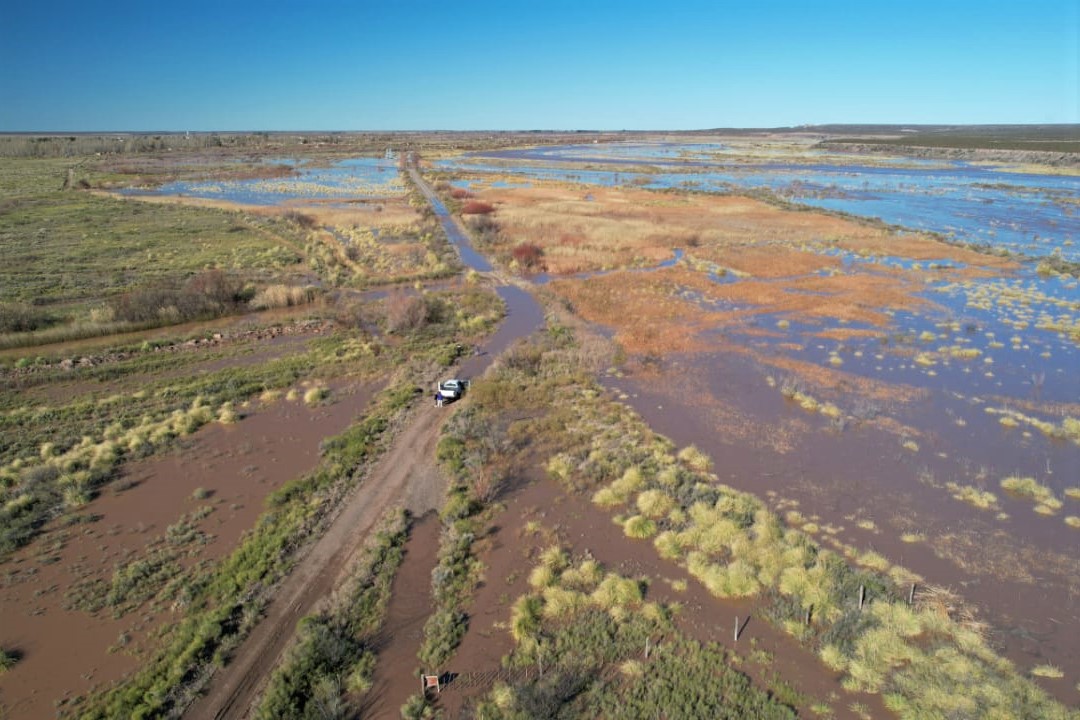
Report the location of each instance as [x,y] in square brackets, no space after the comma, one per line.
[345,181]
[1020,212]
[186,510]
[906,398]
[912,403]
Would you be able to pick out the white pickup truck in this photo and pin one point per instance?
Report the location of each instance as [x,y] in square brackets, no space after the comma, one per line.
[453,389]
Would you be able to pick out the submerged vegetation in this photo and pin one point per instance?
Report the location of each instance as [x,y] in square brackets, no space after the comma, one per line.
[226,600]
[928,659]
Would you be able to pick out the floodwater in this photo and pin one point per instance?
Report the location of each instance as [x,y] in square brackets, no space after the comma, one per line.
[352,179]
[509,551]
[67,652]
[980,346]
[1026,213]
[981,349]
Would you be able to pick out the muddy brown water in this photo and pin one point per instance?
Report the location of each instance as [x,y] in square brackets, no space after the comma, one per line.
[1021,574]
[509,552]
[65,652]
[398,641]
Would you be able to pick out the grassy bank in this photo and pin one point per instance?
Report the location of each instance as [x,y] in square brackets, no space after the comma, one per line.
[591,640]
[331,660]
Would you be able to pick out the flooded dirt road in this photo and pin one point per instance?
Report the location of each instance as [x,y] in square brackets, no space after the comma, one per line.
[405,476]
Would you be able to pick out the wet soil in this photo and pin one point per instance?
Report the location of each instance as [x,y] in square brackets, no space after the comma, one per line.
[710,353]
[509,551]
[398,641]
[405,475]
[65,652]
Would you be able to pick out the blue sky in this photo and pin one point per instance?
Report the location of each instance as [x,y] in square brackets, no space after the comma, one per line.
[321,65]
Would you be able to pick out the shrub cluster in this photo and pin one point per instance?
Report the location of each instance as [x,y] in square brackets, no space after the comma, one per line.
[20,317]
[584,630]
[208,294]
[529,257]
[477,207]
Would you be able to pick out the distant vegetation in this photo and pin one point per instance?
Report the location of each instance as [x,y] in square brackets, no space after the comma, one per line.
[83,265]
[1040,138]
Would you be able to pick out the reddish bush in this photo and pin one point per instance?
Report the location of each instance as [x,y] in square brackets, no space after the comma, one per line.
[529,256]
[405,312]
[460,193]
[215,286]
[475,207]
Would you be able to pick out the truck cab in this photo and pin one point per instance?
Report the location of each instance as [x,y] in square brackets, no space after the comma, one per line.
[452,389]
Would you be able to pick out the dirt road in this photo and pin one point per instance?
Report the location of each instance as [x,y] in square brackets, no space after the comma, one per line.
[406,474]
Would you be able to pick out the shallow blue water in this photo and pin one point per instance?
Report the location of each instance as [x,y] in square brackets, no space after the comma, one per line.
[1036,215]
[356,178]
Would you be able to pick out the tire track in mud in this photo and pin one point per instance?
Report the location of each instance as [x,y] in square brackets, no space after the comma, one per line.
[405,474]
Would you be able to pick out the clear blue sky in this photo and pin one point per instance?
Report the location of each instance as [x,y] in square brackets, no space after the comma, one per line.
[408,65]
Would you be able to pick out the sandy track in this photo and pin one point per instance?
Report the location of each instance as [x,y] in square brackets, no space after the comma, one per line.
[404,475]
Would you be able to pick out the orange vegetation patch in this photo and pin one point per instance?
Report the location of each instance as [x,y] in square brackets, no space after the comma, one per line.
[856,297]
[590,228]
[643,308]
[674,304]
[770,261]
[842,334]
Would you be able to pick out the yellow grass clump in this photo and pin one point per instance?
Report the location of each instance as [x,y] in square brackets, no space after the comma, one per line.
[560,602]
[639,527]
[1052,672]
[585,576]
[541,577]
[655,503]
[736,579]
[695,459]
[315,395]
[227,414]
[279,296]
[1030,488]
[525,618]
[614,591]
[554,558]
[982,499]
